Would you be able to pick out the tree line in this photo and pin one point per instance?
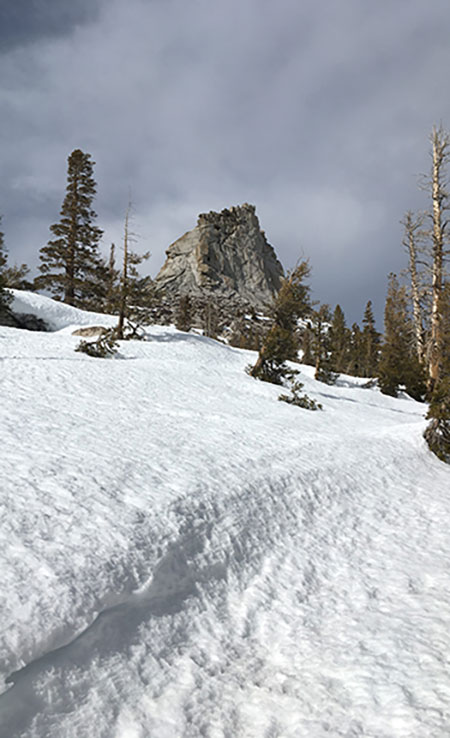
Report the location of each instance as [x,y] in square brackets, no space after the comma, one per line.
[412,355]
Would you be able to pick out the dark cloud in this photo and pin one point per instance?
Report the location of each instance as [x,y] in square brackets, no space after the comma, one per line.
[26,21]
[318,113]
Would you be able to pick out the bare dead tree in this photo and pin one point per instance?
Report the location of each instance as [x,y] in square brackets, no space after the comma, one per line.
[124,275]
[440,152]
[111,281]
[413,226]
[132,289]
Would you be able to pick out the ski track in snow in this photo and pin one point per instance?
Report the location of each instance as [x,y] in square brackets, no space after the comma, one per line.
[182,555]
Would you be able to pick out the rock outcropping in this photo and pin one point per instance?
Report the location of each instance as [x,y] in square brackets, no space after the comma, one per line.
[227,255]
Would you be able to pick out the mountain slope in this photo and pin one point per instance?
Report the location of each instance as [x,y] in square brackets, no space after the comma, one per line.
[182,555]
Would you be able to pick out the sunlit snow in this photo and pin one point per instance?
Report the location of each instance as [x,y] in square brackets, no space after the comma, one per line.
[182,555]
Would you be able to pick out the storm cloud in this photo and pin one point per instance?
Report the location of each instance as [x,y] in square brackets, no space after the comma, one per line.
[318,113]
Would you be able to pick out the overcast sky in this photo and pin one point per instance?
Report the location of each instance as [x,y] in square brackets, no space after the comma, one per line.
[316,112]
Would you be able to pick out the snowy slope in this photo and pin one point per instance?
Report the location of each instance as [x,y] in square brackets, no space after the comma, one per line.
[182,555]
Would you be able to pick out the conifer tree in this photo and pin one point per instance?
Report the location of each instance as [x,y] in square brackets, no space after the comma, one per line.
[307,340]
[210,319]
[70,263]
[445,324]
[437,433]
[398,364]
[370,344]
[339,340]
[355,360]
[5,296]
[183,318]
[322,345]
[15,276]
[281,344]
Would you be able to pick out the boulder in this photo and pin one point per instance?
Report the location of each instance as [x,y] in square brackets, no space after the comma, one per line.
[90,330]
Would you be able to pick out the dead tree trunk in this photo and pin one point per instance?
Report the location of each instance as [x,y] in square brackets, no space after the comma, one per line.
[412,226]
[124,278]
[440,204]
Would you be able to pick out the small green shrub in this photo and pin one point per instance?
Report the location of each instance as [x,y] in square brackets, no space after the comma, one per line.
[295,398]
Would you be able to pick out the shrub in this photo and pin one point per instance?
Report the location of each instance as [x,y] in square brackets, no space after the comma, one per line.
[104,347]
[300,400]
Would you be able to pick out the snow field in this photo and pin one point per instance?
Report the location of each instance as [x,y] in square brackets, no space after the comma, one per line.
[182,555]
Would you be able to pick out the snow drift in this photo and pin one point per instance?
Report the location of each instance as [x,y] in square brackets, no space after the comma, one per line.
[182,555]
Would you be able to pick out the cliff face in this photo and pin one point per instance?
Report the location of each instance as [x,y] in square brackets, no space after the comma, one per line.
[226,253]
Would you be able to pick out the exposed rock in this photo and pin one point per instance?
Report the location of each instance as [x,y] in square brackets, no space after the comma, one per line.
[226,254]
[90,330]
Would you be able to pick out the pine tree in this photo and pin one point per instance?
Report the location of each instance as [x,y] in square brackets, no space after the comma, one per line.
[210,321]
[398,364]
[70,263]
[339,340]
[183,318]
[281,343]
[437,433]
[445,324]
[322,345]
[307,339]
[355,360]
[370,344]
[5,296]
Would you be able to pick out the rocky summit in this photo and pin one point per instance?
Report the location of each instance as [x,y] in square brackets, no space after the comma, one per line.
[226,254]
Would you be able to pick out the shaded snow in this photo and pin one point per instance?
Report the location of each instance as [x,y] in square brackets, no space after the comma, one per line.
[182,555]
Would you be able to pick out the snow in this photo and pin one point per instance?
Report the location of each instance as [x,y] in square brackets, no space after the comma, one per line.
[182,555]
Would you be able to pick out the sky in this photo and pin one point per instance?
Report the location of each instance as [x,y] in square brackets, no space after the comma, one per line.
[319,114]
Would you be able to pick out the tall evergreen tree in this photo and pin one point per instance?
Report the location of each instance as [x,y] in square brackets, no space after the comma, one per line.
[370,347]
[70,263]
[281,344]
[307,341]
[437,434]
[398,364]
[322,345]
[445,318]
[339,341]
[5,296]
[183,317]
[355,360]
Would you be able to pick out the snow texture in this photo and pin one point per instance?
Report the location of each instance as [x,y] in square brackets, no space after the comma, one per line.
[183,555]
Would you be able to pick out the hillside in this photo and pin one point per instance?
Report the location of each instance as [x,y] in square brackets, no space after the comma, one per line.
[182,555]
